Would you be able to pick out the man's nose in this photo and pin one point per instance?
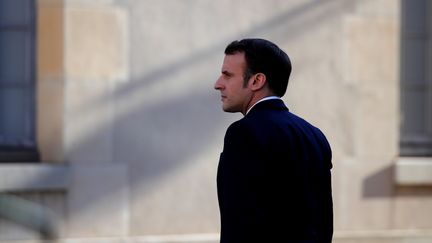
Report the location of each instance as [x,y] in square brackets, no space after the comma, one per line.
[218,84]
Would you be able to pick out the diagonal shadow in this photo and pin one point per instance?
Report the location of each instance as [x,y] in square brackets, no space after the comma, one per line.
[293,23]
[177,128]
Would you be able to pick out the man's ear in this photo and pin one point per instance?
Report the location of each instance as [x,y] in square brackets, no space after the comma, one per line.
[258,82]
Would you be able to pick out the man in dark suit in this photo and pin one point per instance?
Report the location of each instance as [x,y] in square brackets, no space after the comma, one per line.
[274,174]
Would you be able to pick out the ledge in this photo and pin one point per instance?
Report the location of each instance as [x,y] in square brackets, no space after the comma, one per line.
[33,177]
[413,171]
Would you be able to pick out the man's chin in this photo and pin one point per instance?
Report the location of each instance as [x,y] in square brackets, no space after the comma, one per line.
[230,110]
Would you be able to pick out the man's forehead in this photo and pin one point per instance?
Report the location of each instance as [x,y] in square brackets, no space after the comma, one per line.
[236,60]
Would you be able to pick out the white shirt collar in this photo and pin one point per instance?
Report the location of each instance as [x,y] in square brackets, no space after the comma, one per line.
[263,99]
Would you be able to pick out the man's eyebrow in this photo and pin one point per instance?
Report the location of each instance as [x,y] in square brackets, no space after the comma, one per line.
[225,72]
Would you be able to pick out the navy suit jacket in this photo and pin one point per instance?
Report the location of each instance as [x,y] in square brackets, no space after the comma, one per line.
[274,179]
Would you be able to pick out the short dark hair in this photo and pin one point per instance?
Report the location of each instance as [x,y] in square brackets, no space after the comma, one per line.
[263,56]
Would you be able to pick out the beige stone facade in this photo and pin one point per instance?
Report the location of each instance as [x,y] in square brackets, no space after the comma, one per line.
[130,129]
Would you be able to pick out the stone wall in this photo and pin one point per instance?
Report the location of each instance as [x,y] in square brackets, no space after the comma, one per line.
[126,108]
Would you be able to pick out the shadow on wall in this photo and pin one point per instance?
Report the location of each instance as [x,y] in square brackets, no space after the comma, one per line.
[176,128]
[179,126]
[382,183]
[155,138]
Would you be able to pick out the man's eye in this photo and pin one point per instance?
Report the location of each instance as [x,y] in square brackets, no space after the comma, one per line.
[226,74]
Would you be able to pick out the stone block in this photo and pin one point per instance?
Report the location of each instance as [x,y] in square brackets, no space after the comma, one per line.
[372,48]
[97,202]
[96,44]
